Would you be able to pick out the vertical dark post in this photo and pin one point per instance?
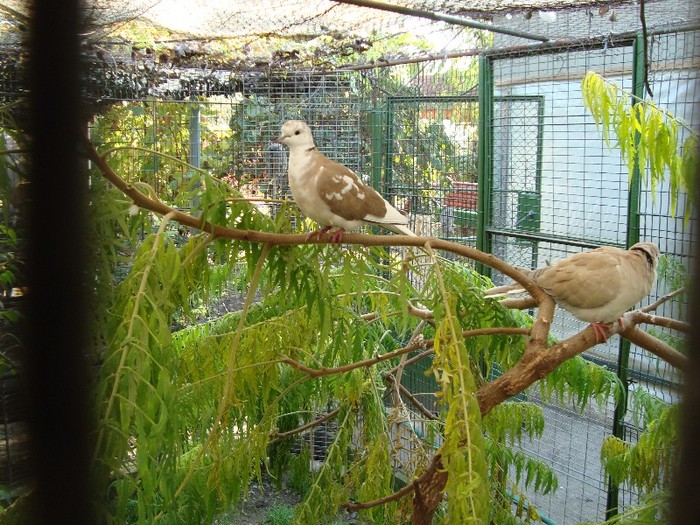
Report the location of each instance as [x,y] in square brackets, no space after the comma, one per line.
[376,121]
[686,482]
[485,163]
[55,336]
[387,180]
[195,126]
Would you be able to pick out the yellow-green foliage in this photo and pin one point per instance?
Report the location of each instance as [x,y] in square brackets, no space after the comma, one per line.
[646,464]
[136,388]
[652,509]
[467,486]
[646,135]
[188,417]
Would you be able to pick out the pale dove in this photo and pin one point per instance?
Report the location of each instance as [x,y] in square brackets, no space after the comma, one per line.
[596,286]
[330,193]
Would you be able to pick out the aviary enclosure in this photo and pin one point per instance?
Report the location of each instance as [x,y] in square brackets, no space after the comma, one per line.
[372,377]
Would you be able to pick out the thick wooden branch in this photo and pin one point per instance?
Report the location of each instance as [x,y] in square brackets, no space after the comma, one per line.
[641,317]
[655,346]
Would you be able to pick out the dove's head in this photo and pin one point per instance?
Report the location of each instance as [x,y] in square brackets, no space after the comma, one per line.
[650,250]
[296,134]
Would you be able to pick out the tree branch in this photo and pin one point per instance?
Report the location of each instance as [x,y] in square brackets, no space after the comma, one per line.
[413,399]
[283,435]
[320,372]
[655,346]
[661,300]
[396,495]
[641,317]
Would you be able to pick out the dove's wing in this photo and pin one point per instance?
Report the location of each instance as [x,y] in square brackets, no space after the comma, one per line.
[349,198]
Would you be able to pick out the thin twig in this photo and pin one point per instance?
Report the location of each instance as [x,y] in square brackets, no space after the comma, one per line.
[413,399]
[283,435]
[422,313]
[320,372]
[396,495]
[661,300]
[399,369]
[503,330]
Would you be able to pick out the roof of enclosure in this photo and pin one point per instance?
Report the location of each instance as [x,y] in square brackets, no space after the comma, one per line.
[140,37]
[262,30]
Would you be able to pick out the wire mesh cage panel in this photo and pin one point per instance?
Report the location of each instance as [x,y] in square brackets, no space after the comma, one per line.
[582,197]
[673,80]
[556,188]
[331,104]
[432,163]
[570,444]
[553,176]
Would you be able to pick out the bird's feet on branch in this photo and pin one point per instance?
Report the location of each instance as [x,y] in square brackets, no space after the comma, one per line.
[317,233]
[602,330]
[336,237]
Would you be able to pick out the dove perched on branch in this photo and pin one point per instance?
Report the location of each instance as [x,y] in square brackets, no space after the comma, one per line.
[330,193]
[596,286]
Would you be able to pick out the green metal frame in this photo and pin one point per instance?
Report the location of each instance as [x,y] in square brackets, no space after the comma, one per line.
[633,231]
[376,122]
[485,171]
[392,101]
[485,162]
[485,100]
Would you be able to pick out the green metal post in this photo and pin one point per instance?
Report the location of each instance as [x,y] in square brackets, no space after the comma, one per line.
[633,229]
[485,162]
[195,157]
[376,116]
[388,146]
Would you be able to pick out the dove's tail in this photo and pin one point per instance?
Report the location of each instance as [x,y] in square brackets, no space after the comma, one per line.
[503,291]
[401,229]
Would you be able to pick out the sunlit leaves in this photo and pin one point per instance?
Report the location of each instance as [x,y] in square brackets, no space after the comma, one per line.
[647,136]
[136,389]
[463,449]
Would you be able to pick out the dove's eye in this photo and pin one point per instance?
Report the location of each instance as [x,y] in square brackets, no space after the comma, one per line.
[297,132]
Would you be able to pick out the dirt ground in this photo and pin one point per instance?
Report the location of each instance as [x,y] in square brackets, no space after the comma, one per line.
[256,508]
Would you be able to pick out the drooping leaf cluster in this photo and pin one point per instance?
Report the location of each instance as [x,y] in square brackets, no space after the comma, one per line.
[647,463]
[647,136]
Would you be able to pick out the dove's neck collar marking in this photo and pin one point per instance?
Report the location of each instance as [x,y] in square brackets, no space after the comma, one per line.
[311,148]
[650,259]
[648,256]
